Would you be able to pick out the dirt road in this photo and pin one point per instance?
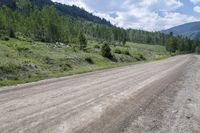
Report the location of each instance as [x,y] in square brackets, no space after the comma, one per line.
[137,98]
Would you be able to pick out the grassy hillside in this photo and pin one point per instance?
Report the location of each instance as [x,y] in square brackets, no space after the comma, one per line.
[25,61]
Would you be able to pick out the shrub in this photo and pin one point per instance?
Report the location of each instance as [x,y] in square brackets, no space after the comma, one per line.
[22,49]
[12,71]
[137,58]
[97,47]
[82,41]
[8,68]
[126,52]
[89,60]
[118,51]
[5,38]
[106,51]
[48,60]
[12,33]
[142,57]
[65,67]
[28,66]
[198,50]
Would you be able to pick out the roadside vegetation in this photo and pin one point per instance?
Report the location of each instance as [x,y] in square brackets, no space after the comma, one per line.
[24,61]
[181,45]
[198,50]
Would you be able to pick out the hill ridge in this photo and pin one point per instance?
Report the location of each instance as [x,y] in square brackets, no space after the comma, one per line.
[190,30]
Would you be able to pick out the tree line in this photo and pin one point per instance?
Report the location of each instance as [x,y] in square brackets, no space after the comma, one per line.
[181,44]
[46,24]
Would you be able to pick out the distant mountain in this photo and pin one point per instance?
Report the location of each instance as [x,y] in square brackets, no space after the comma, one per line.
[66,10]
[190,30]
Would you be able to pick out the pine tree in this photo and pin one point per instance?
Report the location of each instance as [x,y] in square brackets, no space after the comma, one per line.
[198,50]
[172,44]
[124,41]
[82,41]
[24,6]
[12,33]
[106,51]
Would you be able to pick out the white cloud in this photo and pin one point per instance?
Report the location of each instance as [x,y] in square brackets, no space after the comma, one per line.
[140,19]
[149,15]
[166,5]
[197,9]
[195,1]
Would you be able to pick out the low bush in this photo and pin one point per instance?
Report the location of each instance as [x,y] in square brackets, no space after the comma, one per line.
[126,52]
[12,33]
[48,60]
[65,67]
[97,47]
[5,38]
[13,71]
[89,60]
[118,51]
[22,49]
[198,50]
[106,51]
[142,57]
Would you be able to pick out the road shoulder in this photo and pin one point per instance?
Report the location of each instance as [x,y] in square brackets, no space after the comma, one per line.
[176,109]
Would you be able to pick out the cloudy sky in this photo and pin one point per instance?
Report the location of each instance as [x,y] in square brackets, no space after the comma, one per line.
[151,15]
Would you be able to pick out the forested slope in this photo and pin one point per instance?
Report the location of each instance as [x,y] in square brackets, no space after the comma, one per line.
[190,30]
[66,10]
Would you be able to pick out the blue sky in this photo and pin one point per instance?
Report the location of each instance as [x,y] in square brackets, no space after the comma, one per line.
[151,15]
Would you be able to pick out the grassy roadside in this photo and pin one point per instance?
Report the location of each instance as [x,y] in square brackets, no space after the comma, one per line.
[27,61]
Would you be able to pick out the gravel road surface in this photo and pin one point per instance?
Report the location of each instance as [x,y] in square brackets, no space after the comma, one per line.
[162,96]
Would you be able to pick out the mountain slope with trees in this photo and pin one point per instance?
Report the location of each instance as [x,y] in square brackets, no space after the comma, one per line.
[189,30]
[66,10]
